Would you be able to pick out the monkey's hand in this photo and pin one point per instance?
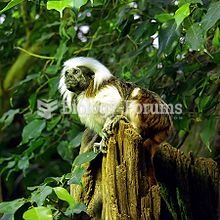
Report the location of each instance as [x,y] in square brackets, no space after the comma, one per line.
[111,124]
[100,147]
[107,131]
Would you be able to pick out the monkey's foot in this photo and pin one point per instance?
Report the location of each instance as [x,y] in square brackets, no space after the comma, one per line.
[100,147]
[111,124]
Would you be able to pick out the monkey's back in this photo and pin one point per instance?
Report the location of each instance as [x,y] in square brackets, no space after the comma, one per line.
[146,111]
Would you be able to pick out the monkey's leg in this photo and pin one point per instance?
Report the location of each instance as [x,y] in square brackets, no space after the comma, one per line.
[151,146]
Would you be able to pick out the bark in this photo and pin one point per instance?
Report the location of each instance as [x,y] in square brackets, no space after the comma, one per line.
[115,185]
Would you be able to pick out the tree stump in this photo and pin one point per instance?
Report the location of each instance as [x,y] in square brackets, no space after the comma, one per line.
[125,190]
[115,185]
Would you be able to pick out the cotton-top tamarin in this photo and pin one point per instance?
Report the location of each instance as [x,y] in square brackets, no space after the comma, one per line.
[101,100]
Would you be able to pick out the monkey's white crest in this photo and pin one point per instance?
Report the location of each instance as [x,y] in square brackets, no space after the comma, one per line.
[101,73]
[66,94]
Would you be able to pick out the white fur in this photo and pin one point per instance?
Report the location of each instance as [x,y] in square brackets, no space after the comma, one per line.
[94,111]
[135,92]
[67,95]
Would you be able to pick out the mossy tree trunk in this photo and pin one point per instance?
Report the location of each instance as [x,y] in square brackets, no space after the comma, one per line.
[190,187]
[115,185]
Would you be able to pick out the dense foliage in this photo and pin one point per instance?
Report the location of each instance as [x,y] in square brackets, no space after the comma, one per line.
[170,47]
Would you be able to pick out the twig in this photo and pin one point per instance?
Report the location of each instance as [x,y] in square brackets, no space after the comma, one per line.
[35,55]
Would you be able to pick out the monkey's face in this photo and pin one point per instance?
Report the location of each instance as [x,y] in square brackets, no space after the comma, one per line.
[77,79]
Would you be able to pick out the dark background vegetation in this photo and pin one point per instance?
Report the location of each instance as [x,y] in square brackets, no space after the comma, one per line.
[36,154]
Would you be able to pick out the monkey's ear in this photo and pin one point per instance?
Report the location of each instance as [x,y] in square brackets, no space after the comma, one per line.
[87,72]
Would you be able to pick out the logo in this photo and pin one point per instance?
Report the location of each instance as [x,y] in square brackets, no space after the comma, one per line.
[46,107]
[86,107]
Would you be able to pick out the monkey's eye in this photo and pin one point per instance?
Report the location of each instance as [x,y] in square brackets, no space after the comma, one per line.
[77,71]
[68,73]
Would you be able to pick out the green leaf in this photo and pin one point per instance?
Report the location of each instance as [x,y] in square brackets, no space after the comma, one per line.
[8,117]
[38,213]
[33,130]
[181,14]
[11,4]
[181,133]
[34,144]
[23,163]
[52,69]
[41,194]
[189,91]
[195,37]
[143,29]
[77,208]
[64,195]
[12,206]
[79,3]
[29,117]
[84,158]
[76,175]
[216,38]
[53,122]
[65,151]
[182,2]
[59,5]
[11,164]
[76,141]
[27,79]
[164,17]
[61,50]
[71,32]
[32,102]
[7,217]
[53,84]
[4,159]
[168,37]
[203,102]
[212,16]
[208,131]
[183,124]
[56,180]
[97,2]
